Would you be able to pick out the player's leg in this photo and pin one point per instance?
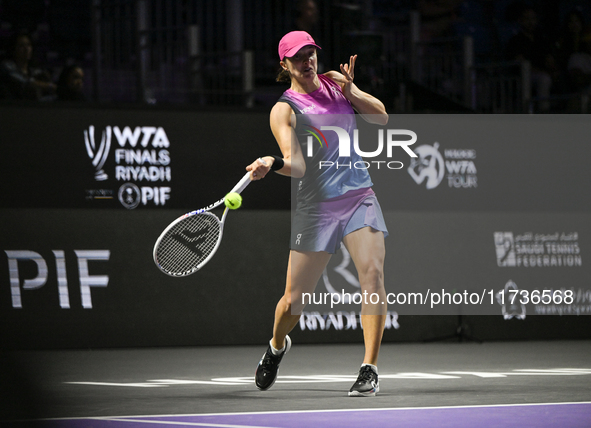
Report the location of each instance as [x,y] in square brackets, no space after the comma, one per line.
[303,272]
[368,251]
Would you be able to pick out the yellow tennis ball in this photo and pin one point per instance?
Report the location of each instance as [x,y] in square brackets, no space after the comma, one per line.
[233,200]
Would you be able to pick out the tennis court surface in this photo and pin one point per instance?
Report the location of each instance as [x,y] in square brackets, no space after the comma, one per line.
[494,384]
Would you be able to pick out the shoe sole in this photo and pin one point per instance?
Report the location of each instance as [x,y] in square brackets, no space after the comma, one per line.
[364,394]
[287,348]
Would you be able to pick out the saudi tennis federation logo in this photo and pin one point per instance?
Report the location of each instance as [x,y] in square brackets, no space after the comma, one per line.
[428,167]
[98,153]
[505,249]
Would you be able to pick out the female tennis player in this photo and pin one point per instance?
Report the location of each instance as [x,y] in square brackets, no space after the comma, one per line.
[334,204]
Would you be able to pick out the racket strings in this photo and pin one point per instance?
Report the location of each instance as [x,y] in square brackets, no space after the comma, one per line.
[188,243]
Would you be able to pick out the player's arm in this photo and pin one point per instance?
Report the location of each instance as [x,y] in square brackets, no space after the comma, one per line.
[293,159]
[368,106]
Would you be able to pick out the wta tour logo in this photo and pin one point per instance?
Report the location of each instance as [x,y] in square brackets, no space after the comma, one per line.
[431,166]
[98,155]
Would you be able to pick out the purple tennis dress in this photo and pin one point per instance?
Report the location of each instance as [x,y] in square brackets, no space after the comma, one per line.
[334,197]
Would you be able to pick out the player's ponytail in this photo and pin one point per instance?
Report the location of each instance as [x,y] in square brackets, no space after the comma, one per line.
[283,76]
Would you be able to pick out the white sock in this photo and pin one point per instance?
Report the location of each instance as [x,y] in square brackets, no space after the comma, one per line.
[375,368]
[277,351]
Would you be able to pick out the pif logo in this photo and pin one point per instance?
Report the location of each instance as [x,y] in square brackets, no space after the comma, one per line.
[20,279]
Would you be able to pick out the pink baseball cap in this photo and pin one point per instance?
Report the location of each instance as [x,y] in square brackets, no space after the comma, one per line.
[292,42]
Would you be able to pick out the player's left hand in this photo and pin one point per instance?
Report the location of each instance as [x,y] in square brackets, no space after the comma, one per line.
[348,72]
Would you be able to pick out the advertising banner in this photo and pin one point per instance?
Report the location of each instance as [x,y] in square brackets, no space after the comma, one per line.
[494,209]
[491,216]
[86,278]
[455,264]
[130,159]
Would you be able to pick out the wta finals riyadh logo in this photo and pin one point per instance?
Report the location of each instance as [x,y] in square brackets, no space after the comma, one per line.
[99,154]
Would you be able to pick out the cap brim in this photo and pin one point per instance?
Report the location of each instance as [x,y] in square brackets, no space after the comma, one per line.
[295,49]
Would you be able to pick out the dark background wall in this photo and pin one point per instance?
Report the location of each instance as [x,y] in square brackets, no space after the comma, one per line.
[531,178]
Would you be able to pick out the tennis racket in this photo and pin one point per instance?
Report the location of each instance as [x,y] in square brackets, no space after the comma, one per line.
[190,241]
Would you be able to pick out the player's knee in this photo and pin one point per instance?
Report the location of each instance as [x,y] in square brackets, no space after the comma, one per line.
[372,277]
[286,302]
[373,269]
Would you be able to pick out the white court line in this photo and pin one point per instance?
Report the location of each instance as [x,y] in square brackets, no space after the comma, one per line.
[280,412]
[133,384]
[157,383]
[167,382]
[346,378]
[192,424]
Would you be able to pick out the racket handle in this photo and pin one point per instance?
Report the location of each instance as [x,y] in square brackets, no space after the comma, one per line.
[245,181]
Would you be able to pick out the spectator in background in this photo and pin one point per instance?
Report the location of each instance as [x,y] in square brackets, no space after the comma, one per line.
[570,37]
[571,42]
[579,67]
[528,44]
[306,16]
[70,84]
[20,80]
[437,18]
